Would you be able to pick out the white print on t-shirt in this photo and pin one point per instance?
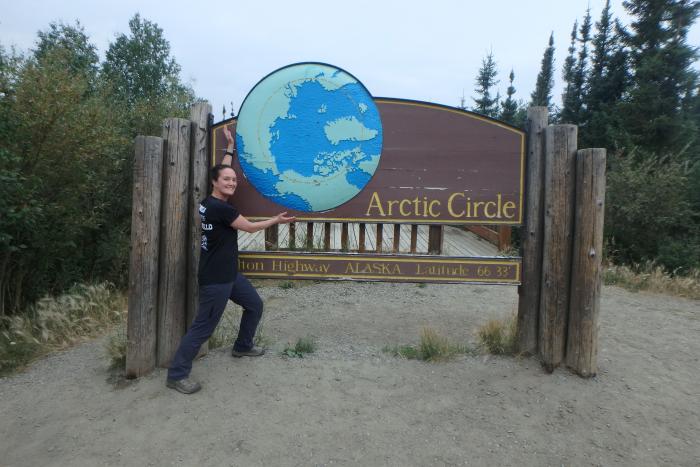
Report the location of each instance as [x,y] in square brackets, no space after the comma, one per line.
[202,209]
[207,226]
[204,243]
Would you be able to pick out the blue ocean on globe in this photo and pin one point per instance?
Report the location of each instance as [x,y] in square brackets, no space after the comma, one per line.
[309,137]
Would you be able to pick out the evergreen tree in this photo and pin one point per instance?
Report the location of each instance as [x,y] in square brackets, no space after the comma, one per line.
[575,73]
[509,107]
[607,82]
[581,71]
[568,99]
[663,78]
[542,95]
[462,102]
[485,81]
[600,60]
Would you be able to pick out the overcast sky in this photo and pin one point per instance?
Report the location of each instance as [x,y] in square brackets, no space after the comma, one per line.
[428,50]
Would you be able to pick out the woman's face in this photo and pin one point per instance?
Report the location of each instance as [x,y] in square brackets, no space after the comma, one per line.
[226,183]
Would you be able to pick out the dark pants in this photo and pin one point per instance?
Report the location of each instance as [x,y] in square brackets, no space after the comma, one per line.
[212,303]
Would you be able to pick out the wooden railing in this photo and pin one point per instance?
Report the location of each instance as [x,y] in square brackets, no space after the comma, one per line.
[435,238]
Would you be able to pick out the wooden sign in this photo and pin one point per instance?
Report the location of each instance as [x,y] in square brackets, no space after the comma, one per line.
[438,165]
[392,268]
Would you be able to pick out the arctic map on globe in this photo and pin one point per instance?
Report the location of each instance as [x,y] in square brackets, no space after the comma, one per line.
[309,137]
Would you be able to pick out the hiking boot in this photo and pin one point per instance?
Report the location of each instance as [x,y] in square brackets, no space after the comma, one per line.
[253,352]
[185,386]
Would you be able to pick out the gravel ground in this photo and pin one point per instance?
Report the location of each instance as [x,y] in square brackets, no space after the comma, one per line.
[352,404]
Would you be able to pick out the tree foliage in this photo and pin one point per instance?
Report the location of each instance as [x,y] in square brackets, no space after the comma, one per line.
[663,78]
[509,107]
[542,95]
[485,102]
[66,144]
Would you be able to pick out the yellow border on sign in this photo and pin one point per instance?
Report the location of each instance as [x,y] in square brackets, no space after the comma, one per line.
[257,255]
[443,108]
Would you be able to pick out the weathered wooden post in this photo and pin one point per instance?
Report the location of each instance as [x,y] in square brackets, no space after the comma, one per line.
[559,178]
[529,291]
[582,340]
[172,284]
[143,260]
[199,183]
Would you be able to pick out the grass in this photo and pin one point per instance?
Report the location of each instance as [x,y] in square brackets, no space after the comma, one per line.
[286,285]
[509,251]
[499,336]
[653,278]
[55,323]
[304,345]
[432,348]
[116,348]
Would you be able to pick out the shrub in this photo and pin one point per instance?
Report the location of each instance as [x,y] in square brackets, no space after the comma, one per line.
[649,214]
[304,345]
[499,336]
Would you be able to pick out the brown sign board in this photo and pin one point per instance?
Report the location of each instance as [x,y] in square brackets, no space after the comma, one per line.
[439,165]
[392,268]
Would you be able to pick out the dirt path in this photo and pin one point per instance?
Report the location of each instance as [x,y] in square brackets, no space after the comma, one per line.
[352,404]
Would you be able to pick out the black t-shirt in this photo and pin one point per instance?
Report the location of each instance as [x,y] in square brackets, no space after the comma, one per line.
[218,262]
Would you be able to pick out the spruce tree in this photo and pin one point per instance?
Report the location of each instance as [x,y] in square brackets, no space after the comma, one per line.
[575,73]
[567,113]
[663,78]
[542,95]
[485,81]
[608,79]
[509,107]
[581,71]
[600,60]
[462,102]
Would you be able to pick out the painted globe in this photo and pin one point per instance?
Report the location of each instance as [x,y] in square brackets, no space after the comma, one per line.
[309,137]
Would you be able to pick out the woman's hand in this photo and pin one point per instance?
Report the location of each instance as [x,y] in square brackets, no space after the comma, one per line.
[282,218]
[228,135]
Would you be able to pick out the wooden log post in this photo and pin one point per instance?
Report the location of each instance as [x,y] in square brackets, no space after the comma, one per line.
[532,233]
[584,305]
[559,178]
[199,184]
[172,283]
[143,259]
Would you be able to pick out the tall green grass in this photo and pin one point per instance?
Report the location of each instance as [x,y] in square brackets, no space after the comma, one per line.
[57,322]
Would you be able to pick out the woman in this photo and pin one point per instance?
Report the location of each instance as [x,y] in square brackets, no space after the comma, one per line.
[219,278]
